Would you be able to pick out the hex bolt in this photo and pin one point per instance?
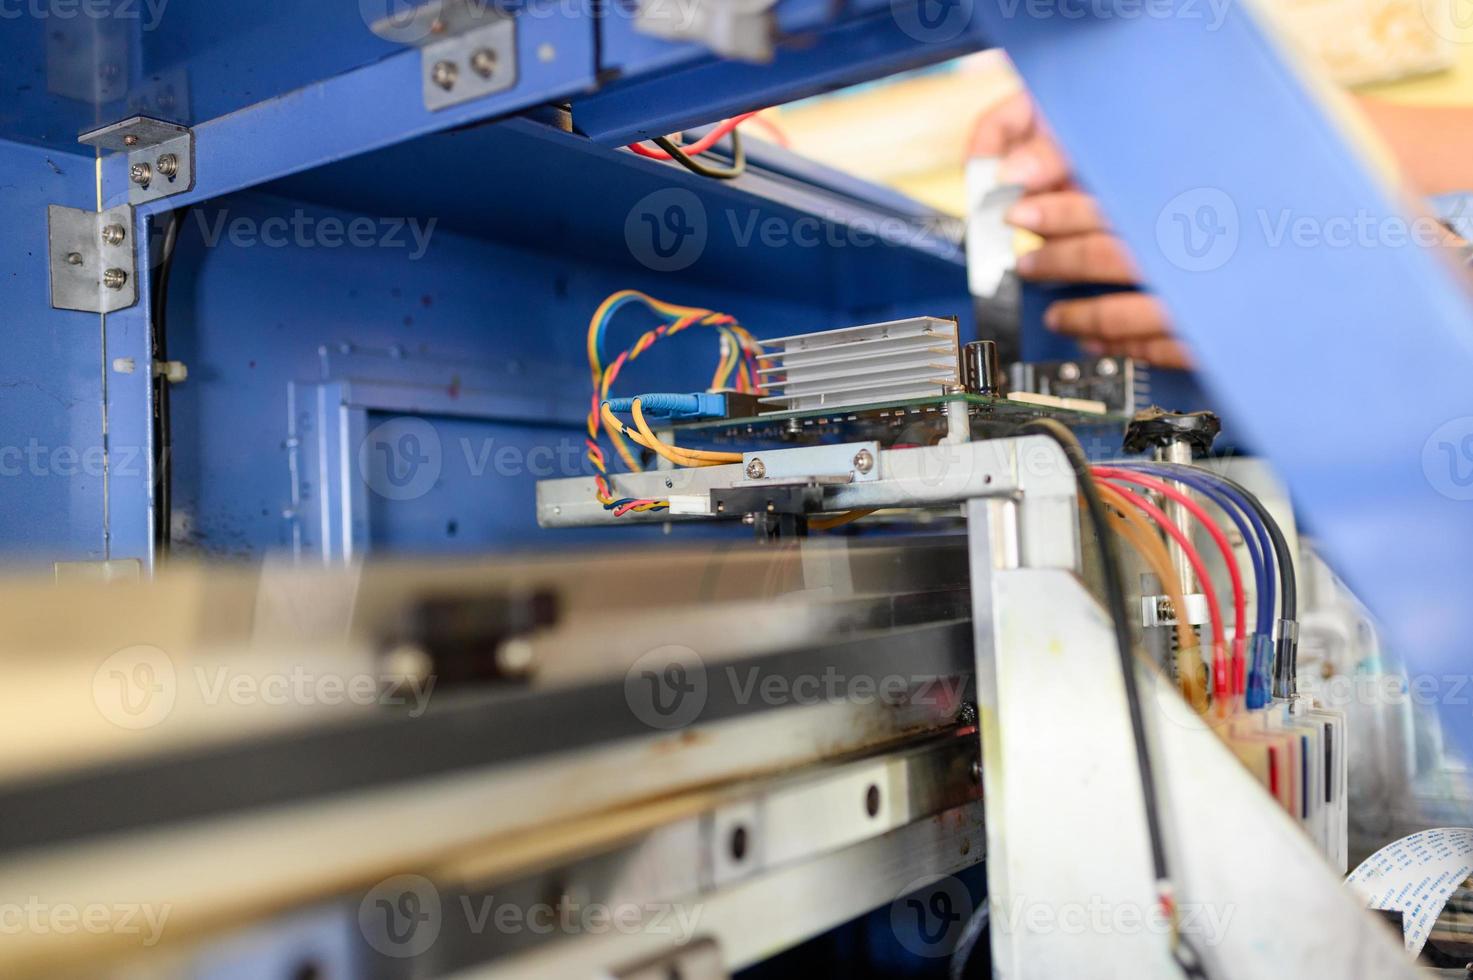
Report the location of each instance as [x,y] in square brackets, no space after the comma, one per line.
[140,174]
[483,61]
[444,74]
[168,165]
[114,278]
[756,469]
[74,258]
[114,234]
[864,461]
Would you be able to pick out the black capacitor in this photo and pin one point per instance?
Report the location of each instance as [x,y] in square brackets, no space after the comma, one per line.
[979,367]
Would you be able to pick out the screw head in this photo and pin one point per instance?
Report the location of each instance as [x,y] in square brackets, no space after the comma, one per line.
[1068,371]
[74,258]
[749,519]
[515,657]
[976,771]
[864,461]
[168,165]
[130,140]
[1108,367]
[756,469]
[140,174]
[114,278]
[114,234]
[444,74]
[483,62]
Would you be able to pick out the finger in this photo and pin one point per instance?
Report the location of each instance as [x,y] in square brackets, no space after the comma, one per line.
[1057,213]
[1091,257]
[1003,126]
[1114,317]
[1036,163]
[1161,352]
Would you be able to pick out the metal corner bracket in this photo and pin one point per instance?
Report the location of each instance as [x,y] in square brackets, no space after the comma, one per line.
[160,155]
[468,48]
[93,263]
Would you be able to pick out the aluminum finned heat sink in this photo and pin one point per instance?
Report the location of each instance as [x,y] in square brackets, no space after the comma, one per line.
[879,362]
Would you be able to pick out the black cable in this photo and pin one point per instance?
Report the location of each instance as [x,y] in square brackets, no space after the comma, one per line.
[1286,652]
[159,349]
[1114,581]
[738,159]
[974,936]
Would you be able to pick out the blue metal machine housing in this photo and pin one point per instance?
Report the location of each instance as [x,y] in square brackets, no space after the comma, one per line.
[1346,366]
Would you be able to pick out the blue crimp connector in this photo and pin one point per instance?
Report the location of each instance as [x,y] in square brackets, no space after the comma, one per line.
[668,405]
[1260,680]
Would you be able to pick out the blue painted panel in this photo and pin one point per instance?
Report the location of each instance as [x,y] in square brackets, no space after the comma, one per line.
[363,110]
[857,49]
[1346,359]
[478,329]
[51,446]
[484,492]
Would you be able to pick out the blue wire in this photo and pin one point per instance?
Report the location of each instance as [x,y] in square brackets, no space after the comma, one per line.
[1260,679]
[1236,509]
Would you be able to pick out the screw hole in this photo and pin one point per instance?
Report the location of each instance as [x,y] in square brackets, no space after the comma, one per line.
[307,971]
[738,843]
[872,800]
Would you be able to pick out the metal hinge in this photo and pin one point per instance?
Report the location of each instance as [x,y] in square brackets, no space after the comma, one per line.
[739,29]
[93,263]
[468,48]
[160,155]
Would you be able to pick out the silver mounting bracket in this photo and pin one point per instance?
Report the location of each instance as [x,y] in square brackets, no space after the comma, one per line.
[160,155]
[94,266]
[468,48]
[847,462]
[743,30]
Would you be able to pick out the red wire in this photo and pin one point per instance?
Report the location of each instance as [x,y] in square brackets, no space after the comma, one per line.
[778,134]
[1240,665]
[716,135]
[1220,686]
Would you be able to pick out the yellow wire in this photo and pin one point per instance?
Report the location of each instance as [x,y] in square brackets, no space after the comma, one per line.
[698,457]
[611,421]
[828,523]
[620,446]
[1191,672]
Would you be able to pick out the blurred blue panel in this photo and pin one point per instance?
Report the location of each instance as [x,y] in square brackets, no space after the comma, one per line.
[1347,360]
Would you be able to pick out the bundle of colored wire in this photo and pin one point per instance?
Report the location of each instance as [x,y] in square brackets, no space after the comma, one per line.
[716,135]
[738,360]
[1285,656]
[1261,552]
[1240,605]
[1221,684]
[1191,674]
